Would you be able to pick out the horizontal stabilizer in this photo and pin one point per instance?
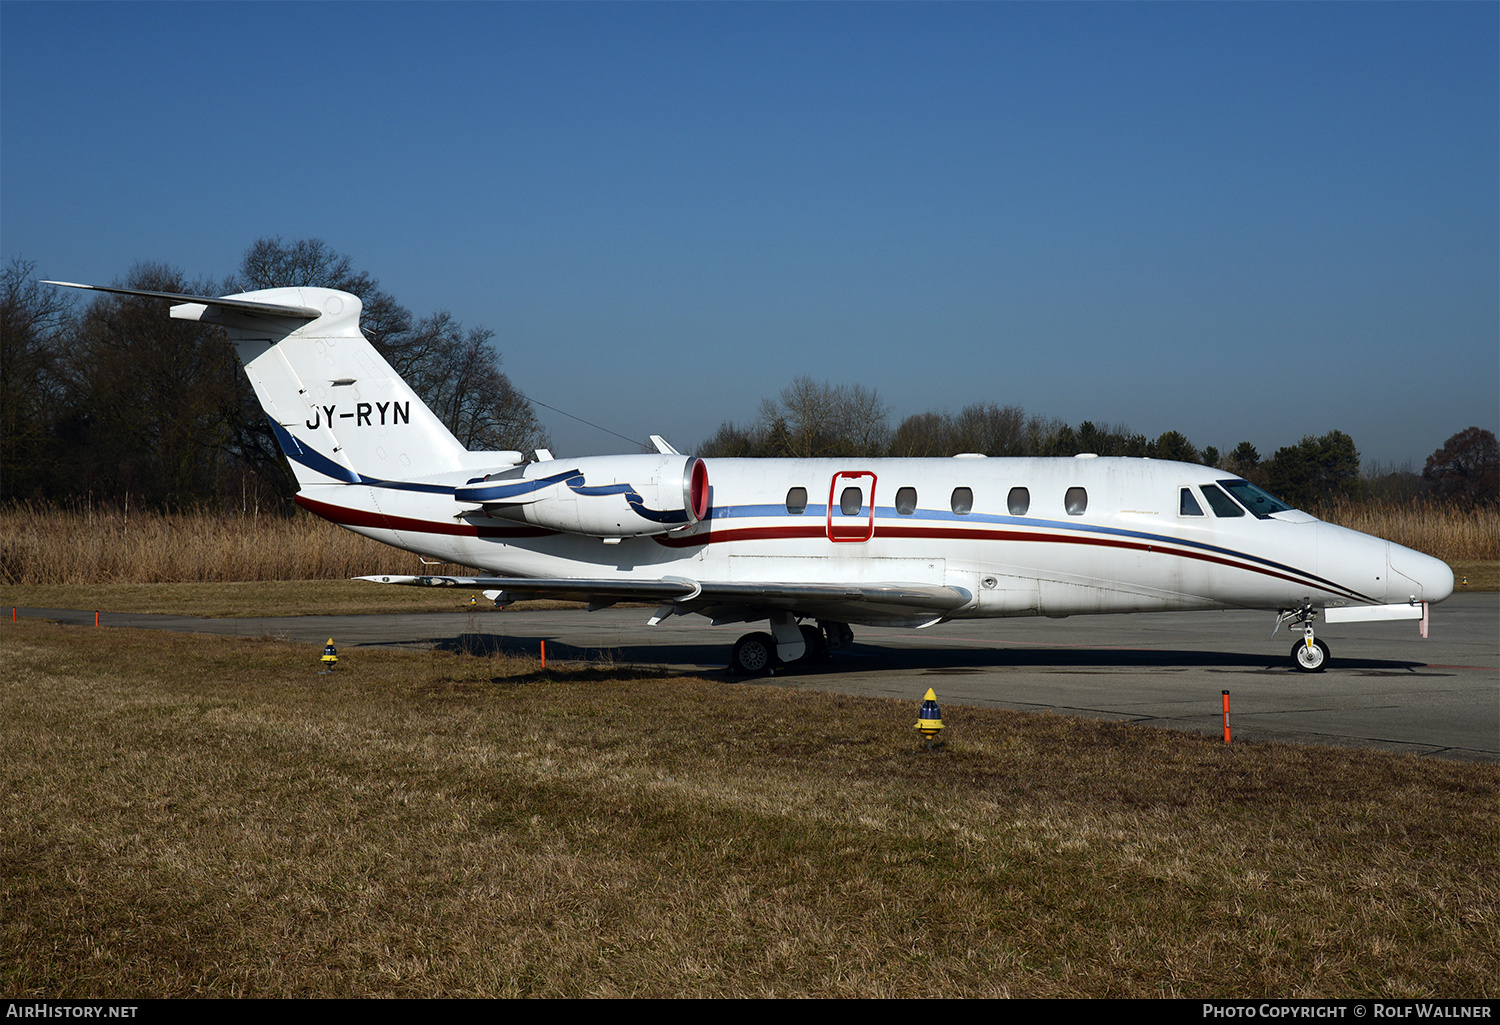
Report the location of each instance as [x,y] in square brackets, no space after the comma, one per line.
[249,306]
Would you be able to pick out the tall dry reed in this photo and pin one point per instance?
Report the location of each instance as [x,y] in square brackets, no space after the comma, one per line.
[1444,531]
[46,545]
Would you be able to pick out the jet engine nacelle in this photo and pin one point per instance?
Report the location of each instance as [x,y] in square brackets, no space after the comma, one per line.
[601,496]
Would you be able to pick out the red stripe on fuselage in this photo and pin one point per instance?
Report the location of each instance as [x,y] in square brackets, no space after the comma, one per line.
[458,528]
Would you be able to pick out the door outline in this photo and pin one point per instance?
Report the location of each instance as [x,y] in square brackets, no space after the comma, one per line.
[851,529]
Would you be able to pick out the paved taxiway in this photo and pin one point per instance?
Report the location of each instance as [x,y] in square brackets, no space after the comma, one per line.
[1386,688]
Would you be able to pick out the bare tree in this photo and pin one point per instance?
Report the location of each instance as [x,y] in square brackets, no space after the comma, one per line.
[816,419]
[31,318]
[466,389]
[152,407]
[924,435]
[991,429]
[732,441]
[272,263]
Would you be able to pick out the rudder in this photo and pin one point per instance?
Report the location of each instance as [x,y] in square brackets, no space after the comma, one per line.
[340,412]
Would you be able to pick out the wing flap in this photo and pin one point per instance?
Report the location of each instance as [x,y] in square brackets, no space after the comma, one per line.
[880,599]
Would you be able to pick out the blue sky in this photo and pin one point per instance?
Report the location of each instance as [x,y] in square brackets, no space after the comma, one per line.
[1240,221]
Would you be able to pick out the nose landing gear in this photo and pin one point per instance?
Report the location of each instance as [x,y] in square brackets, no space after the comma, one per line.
[1309,655]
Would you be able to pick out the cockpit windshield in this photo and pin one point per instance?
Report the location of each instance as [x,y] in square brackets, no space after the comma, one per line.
[1253,498]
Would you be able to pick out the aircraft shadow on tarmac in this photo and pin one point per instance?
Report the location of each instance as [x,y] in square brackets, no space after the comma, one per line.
[866,657]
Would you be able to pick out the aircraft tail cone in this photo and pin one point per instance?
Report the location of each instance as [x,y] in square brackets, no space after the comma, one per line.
[930,718]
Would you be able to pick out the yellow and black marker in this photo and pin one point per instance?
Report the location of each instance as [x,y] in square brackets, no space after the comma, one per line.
[330,657]
[930,718]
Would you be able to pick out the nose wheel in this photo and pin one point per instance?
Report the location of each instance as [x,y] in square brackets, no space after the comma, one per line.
[1310,658]
[1309,655]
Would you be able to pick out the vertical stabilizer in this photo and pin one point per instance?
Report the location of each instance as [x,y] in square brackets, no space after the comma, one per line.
[340,413]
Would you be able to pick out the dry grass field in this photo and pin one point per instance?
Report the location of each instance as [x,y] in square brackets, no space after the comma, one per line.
[46,545]
[191,816]
[1451,534]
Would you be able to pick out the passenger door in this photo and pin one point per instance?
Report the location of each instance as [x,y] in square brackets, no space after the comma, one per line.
[851,506]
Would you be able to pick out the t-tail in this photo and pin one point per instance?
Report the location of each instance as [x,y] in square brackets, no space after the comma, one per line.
[341,414]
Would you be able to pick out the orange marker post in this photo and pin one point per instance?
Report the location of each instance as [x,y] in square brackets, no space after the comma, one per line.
[544,654]
[96,619]
[1226,717]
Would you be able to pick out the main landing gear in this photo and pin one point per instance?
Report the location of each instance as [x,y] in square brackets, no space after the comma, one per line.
[1309,655]
[756,654]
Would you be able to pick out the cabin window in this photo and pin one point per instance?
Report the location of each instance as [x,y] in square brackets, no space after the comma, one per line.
[1076,501]
[963,501]
[850,501]
[796,501]
[906,501]
[1220,503]
[1188,505]
[1019,500]
[1260,504]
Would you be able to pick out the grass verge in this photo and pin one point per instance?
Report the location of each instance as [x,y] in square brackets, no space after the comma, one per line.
[206,816]
[250,598]
[1476,576]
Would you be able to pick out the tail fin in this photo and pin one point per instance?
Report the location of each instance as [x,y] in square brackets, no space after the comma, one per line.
[340,413]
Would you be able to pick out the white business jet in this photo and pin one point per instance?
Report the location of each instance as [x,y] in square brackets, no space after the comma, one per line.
[808,545]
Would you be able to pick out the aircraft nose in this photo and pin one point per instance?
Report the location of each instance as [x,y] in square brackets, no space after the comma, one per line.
[1414,575]
[1353,560]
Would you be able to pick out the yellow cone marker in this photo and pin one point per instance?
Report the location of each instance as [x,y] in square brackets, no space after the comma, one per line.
[930,718]
[330,657]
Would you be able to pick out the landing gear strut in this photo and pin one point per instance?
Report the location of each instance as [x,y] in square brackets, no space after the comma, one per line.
[1309,655]
[756,654]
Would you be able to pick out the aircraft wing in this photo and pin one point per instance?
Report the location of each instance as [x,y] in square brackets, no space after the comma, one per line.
[727,601]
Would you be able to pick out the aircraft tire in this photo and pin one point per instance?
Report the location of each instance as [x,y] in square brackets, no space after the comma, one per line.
[1310,660]
[753,655]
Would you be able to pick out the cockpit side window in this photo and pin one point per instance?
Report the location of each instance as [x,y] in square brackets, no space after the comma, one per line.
[1188,505]
[1260,504]
[1220,503]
